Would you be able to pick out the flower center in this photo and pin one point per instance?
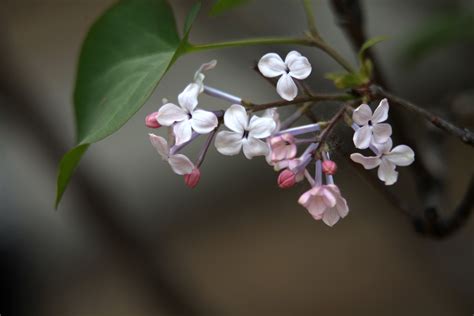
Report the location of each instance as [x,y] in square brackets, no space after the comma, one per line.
[246,134]
[370,123]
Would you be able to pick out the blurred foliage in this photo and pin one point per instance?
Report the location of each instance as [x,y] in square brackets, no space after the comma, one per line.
[437,32]
[223,5]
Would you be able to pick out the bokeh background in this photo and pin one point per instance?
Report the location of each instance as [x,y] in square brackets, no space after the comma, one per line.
[130,239]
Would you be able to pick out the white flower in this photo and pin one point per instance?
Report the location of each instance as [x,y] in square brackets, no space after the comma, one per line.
[179,163]
[372,130]
[387,159]
[244,134]
[295,66]
[185,118]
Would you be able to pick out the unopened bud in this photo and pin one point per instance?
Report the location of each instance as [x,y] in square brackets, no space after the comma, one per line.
[151,121]
[192,179]
[286,179]
[329,167]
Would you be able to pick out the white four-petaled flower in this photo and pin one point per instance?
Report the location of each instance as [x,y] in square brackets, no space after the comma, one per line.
[387,159]
[244,134]
[185,118]
[295,66]
[372,130]
[179,163]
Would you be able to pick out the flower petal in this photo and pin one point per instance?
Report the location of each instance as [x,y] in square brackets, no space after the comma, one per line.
[342,207]
[236,118]
[169,114]
[188,98]
[328,197]
[387,173]
[203,122]
[299,66]
[253,147]
[182,131]
[286,87]
[381,112]
[362,115]
[381,132]
[331,217]
[383,148]
[363,137]
[273,114]
[402,155]
[181,164]
[271,65]
[160,144]
[367,162]
[228,143]
[261,127]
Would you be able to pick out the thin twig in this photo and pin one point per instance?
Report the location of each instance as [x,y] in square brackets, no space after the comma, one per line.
[303,99]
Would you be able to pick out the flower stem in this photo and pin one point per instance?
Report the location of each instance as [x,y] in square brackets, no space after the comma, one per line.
[251,42]
[322,45]
[222,95]
[310,18]
[205,147]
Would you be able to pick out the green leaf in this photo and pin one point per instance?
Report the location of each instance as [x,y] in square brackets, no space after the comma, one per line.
[123,58]
[225,5]
[347,80]
[67,166]
[368,44]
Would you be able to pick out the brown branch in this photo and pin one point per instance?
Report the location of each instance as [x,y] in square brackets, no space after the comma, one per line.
[463,134]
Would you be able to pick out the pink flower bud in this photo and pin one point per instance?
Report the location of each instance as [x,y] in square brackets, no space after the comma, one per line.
[192,179]
[286,179]
[329,167]
[151,121]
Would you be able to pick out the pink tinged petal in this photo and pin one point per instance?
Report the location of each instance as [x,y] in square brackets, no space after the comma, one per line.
[328,197]
[299,67]
[170,113]
[236,118]
[331,217]
[387,173]
[316,207]
[383,148]
[228,143]
[160,144]
[305,198]
[342,207]
[402,155]
[367,162]
[203,122]
[286,87]
[271,65]
[362,115]
[188,98]
[381,132]
[182,131]
[253,147]
[381,112]
[261,127]
[181,164]
[363,137]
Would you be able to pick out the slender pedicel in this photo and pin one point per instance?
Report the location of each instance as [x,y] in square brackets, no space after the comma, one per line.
[176,148]
[205,148]
[306,158]
[309,177]
[318,173]
[213,92]
[304,129]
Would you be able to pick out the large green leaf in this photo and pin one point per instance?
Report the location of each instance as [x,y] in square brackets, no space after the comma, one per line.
[123,58]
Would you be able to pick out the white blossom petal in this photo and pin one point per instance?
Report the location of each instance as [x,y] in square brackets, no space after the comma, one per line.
[362,115]
[261,127]
[383,148]
[203,122]
[170,113]
[236,118]
[299,66]
[271,65]
[181,164]
[286,87]
[188,98]
[402,155]
[363,137]
[381,132]
[387,173]
[160,144]
[273,114]
[331,217]
[182,131]
[367,162]
[381,112]
[253,147]
[228,143]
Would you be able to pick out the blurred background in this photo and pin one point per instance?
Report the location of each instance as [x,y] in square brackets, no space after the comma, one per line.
[131,239]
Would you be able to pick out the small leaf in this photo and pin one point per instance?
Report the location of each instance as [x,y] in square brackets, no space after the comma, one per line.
[67,166]
[346,80]
[368,44]
[225,5]
[124,56]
